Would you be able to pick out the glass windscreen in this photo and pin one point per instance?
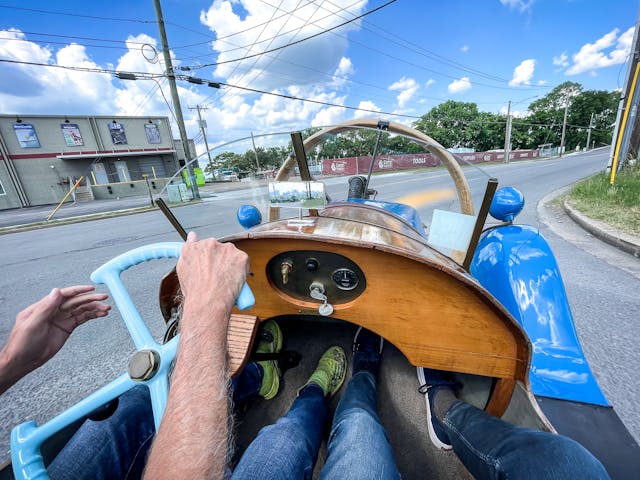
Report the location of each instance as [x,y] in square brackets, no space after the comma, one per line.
[393,167]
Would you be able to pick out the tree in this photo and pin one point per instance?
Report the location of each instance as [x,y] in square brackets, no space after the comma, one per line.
[460,124]
[449,122]
[547,115]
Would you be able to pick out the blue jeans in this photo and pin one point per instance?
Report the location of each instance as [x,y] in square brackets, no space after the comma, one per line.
[493,449]
[117,447]
[358,447]
[288,449]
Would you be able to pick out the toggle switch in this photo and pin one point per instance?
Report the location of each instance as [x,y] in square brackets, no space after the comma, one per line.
[285,269]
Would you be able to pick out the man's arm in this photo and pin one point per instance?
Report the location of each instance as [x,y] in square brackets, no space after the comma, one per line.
[193,437]
[42,329]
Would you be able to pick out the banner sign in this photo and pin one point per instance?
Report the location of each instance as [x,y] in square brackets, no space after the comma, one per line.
[360,165]
[26,135]
[118,136]
[71,134]
[153,134]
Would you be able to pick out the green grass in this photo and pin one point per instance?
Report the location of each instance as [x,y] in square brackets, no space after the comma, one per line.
[618,206]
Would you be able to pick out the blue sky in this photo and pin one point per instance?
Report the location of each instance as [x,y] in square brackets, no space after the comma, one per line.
[402,59]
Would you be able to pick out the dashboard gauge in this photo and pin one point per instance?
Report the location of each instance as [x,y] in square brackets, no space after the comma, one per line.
[345,279]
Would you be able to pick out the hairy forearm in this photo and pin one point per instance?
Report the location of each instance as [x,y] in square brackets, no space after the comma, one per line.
[198,401]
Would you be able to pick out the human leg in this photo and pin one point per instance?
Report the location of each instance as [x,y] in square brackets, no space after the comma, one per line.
[356,431]
[289,448]
[491,448]
[116,447]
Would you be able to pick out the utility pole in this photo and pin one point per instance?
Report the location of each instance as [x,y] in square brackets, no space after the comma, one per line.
[174,98]
[255,151]
[203,128]
[507,135]
[589,134]
[564,125]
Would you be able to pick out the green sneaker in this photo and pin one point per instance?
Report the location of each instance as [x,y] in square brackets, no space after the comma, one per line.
[330,372]
[269,341]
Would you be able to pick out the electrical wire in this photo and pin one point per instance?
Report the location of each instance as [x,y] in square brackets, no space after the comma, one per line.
[196,67]
[151,76]
[67,14]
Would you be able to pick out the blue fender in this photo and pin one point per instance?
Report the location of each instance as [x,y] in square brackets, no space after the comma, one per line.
[516,264]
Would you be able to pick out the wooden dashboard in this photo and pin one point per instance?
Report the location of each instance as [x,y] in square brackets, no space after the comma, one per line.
[415,298]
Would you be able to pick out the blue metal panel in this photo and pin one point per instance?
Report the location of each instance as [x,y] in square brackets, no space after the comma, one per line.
[517,266]
[406,212]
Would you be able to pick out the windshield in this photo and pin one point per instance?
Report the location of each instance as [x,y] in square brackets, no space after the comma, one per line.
[400,168]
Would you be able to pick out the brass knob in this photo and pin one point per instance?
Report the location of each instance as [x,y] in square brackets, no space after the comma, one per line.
[144,365]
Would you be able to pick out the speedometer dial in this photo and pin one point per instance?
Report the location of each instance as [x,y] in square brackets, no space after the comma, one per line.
[345,279]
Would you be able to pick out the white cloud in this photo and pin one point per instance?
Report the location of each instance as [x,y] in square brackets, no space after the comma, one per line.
[231,113]
[301,64]
[367,105]
[30,88]
[342,72]
[407,87]
[562,60]
[522,73]
[461,85]
[464,48]
[520,5]
[431,81]
[542,82]
[593,55]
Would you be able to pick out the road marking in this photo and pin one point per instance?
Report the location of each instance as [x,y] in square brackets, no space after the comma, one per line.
[421,199]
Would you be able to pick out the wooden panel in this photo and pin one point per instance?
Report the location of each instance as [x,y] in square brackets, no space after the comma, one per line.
[436,319]
[240,334]
[500,396]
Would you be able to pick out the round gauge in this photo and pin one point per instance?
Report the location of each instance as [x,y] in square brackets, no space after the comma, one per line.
[345,279]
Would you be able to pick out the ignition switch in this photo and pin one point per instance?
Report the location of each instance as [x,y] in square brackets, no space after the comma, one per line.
[316,290]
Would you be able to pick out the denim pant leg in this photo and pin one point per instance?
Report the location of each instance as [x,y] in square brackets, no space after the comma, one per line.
[246,385]
[493,449]
[358,446]
[287,449]
[116,447]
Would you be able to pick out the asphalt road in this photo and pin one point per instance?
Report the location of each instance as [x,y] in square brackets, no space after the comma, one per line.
[602,293]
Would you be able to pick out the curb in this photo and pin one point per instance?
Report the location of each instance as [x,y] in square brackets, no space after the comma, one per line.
[85,218]
[625,242]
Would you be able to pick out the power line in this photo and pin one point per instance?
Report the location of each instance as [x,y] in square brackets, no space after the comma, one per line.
[202,81]
[421,50]
[67,14]
[238,32]
[292,43]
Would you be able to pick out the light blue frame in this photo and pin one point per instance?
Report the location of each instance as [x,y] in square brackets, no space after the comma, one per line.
[27,438]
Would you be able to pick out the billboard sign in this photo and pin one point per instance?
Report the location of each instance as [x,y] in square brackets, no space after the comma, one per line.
[118,136]
[71,134]
[26,135]
[153,134]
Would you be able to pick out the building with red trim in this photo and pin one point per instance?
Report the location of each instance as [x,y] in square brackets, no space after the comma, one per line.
[41,156]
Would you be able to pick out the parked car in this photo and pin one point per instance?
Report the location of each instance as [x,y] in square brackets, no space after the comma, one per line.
[228,176]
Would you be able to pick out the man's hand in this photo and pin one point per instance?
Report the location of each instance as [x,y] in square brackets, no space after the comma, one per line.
[42,329]
[210,271]
[195,421]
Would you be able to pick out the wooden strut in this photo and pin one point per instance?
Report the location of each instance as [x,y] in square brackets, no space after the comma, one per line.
[489,192]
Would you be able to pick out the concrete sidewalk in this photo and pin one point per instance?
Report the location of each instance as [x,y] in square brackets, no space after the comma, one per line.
[36,217]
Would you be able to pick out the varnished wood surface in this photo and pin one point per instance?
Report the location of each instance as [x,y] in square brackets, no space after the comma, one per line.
[240,335]
[431,316]
[416,298]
